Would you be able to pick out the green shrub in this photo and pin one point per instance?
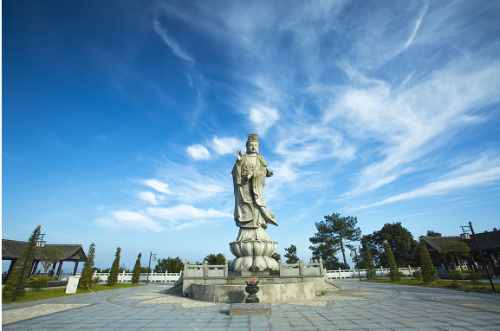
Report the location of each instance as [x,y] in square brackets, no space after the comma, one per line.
[115,269]
[455,275]
[88,269]
[417,275]
[394,273]
[38,282]
[137,270]
[428,270]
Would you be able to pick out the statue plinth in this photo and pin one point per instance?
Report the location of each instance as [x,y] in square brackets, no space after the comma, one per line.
[254,256]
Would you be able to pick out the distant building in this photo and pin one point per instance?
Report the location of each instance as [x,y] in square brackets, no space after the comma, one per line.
[53,254]
[462,252]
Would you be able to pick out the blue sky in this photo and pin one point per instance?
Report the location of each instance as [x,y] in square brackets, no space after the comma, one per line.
[121,119]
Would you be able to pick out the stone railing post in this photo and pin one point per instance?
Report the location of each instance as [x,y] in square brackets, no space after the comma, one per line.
[301,268]
[226,269]
[205,270]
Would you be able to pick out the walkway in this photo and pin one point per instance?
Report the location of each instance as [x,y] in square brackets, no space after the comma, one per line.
[357,306]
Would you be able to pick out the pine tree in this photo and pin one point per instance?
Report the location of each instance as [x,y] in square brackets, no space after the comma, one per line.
[88,269]
[335,233]
[291,254]
[394,272]
[21,270]
[115,269]
[428,270]
[137,270]
[370,270]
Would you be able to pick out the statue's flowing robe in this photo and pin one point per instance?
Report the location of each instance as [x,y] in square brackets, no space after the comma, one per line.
[250,211]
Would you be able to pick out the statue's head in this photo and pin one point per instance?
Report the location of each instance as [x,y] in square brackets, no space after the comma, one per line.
[253,144]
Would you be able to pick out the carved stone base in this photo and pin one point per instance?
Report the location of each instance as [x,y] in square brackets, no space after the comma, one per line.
[254,256]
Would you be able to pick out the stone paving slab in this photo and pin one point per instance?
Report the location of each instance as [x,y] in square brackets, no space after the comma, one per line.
[357,306]
[20,314]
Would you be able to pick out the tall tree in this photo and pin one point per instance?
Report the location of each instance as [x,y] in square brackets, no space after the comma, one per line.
[402,244]
[88,269]
[215,259]
[291,254]
[137,270]
[115,269]
[22,269]
[169,264]
[428,271]
[394,271]
[334,233]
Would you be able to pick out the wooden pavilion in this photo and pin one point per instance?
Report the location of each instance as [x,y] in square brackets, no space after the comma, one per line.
[53,254]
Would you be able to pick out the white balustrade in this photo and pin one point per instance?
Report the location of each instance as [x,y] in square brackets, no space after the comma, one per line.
[153,277]
[380,272]
[169,278]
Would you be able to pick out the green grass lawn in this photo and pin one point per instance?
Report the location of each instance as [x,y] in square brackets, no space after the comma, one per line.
[463,285]
[60,292]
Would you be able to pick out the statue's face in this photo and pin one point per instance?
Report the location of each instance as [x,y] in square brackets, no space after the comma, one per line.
[252,147]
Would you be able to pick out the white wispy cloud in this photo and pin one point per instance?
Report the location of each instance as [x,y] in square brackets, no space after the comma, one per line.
[226,145]
[198,152]
[484,171]
[418,22]
[411,122]
[148,197]
[184,212]
[263,117]
[176,49]
[129,219]
[186,216]
[157,185]
[189,185]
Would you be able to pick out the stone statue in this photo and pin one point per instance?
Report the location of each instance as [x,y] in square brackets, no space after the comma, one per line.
[253,247]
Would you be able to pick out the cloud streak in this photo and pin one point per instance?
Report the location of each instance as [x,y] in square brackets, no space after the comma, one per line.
[484,171]
[176,49]
[198,152]
[409,123]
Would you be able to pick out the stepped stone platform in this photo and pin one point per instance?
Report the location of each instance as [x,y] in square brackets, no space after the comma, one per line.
[293,282]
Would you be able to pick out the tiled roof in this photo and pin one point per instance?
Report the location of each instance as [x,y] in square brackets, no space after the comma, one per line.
[12,249]
[446,245]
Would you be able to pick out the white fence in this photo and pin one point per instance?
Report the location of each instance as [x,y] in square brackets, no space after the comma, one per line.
[153,277]
[169,278]
[380,272]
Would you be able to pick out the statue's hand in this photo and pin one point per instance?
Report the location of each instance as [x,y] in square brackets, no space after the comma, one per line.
[269,173]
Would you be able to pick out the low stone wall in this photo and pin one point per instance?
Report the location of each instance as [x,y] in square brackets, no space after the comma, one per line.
[271,290]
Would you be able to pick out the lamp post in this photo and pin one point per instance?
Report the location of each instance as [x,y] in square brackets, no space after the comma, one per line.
[151,257]
[465,230]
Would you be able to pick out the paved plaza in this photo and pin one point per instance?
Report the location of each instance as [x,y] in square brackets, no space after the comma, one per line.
[356,306]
